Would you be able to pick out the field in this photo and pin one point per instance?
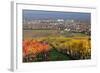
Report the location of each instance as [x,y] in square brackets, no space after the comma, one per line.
[55,45]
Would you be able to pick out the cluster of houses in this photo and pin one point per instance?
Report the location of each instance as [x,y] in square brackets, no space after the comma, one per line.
[58,24]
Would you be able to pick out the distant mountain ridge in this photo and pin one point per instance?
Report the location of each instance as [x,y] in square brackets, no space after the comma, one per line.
[29,15]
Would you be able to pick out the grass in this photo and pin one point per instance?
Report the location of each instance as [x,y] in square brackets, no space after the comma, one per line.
[54,55]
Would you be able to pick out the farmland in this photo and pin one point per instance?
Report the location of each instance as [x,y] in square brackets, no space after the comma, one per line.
[55,45]
[27,34]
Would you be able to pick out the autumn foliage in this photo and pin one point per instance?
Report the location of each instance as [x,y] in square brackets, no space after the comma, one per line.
[34,47]
[75,47]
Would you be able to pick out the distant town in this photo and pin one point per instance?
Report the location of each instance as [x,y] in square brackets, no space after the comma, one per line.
[69,25]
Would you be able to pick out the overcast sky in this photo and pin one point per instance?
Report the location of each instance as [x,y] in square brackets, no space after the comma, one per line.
[39,14]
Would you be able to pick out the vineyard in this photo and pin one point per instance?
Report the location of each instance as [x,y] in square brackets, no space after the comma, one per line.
[56,48]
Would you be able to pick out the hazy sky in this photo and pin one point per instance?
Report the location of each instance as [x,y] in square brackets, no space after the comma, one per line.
[39,14]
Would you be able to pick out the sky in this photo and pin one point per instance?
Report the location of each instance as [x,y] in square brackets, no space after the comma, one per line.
[39,14]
